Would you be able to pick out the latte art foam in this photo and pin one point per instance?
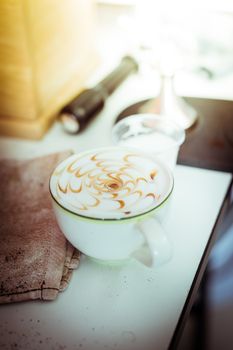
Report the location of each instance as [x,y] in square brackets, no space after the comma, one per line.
[110,183]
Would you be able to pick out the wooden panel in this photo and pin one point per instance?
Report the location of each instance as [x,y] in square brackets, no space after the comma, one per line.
[60,39]
[51,48]
[27,129]
[35,129]
[17,97]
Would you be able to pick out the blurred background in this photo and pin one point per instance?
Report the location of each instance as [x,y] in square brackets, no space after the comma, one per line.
[193,38]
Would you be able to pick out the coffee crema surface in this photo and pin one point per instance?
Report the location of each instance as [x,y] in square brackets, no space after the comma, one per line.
[110,183]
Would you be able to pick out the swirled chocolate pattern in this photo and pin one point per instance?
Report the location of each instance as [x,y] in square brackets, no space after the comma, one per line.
[110,183]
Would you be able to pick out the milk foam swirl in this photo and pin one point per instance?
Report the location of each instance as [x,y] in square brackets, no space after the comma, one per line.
[110,183]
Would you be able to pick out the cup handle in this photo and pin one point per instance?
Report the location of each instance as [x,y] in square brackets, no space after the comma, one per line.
[157,248]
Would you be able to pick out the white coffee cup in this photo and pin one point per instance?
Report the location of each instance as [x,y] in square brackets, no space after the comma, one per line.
[140,236]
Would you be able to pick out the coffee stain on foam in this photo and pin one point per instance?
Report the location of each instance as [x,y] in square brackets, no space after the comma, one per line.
[121,202]
[69,168]
[78,190]
[153,174]
[140,179]
[61,189]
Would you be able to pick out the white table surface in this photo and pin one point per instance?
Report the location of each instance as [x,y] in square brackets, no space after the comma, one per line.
[108,305]
[124,306]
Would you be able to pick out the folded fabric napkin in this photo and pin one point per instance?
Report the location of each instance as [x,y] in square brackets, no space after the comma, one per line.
[36,259]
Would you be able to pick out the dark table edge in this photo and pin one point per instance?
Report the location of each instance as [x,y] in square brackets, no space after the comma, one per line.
[198,277]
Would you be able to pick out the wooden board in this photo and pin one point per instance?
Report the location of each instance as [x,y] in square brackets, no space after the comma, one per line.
[46,55]
[35,129]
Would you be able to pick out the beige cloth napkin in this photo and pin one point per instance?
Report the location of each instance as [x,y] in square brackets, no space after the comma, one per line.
[35,258]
